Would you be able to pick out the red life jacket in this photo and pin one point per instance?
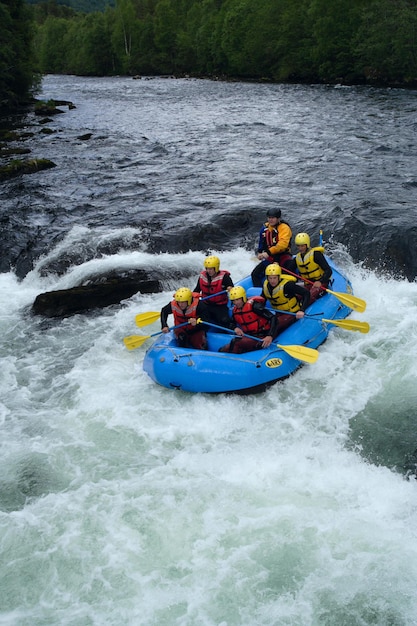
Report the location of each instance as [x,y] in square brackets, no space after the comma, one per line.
[181,316]
[250,322]
[216,285]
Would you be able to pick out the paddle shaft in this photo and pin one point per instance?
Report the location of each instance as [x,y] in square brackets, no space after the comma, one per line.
[353,325]
[144,319]
[212,295]
[229,330]
[305,280]
[353,302]
[172,328]
[135,341]
[301,353]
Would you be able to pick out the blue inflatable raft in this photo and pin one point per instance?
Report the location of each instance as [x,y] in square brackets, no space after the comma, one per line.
[210,371]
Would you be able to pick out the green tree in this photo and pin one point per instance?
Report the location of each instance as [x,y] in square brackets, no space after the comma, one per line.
[333,28]
[52,56]
[314,40]
[17,69]
[123,31]
[386,42]
[166,26]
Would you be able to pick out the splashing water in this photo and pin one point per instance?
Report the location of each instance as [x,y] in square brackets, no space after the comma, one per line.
[126,503]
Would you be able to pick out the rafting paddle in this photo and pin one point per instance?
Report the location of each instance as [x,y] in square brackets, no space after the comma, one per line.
[135,341]
[144,319]
[353,302]
[354,325]
[309,355]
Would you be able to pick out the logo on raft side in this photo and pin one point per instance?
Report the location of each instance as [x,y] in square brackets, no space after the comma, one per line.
[273,363]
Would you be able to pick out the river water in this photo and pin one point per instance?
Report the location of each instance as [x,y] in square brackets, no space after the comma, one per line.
[125,503]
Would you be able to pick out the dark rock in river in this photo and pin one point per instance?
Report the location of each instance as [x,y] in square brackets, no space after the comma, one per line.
[65,302]
[50,107]
[85,137]
[18,167]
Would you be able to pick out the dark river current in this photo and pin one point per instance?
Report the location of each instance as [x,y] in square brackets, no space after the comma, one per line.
[189,164]
[125,503]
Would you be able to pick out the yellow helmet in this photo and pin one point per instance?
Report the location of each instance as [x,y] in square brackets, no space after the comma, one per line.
[302,239]
[237,292]
[183,294]
[273,270]
[212,261]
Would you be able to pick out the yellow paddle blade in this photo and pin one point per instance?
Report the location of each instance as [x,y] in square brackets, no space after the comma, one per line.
[362,327]
[135,341]
[353,302]
[309,355]
[143,319]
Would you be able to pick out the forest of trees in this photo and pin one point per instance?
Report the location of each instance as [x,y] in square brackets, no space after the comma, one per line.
[349,41]
[280,40]
[17,64]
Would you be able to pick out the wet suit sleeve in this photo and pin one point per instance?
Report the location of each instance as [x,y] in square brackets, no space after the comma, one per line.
[227,281]
[320,259]
[197,288]
[292,266]
[203,311]
[165,311]
[262,243]
[269,315]
[292,289]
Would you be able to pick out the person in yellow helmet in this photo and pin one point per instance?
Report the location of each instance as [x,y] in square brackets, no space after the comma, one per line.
[186,308]
[312,265]
[283,293]
[249,316]
[274,245]
[213,284]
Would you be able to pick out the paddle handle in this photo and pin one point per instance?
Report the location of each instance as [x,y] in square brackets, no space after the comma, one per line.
[302,353]
[292,313]
[229,330]
[172,328]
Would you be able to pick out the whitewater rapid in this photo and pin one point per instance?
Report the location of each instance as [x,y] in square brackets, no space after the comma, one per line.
[126,503]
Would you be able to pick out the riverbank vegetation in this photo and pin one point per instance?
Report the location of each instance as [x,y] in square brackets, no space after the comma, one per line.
[17,57]
[351,41]
[347,41]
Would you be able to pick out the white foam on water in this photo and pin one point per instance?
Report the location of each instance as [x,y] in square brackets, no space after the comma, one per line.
[126,503]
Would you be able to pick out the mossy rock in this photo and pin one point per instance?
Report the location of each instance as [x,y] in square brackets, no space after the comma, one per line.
[49,107]
[30,166]
[8,151]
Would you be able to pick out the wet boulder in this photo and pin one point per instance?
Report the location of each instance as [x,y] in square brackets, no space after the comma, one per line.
[65,302]
[29,166]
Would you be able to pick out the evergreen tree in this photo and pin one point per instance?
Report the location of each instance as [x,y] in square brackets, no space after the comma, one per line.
[281,40]
[16,65]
